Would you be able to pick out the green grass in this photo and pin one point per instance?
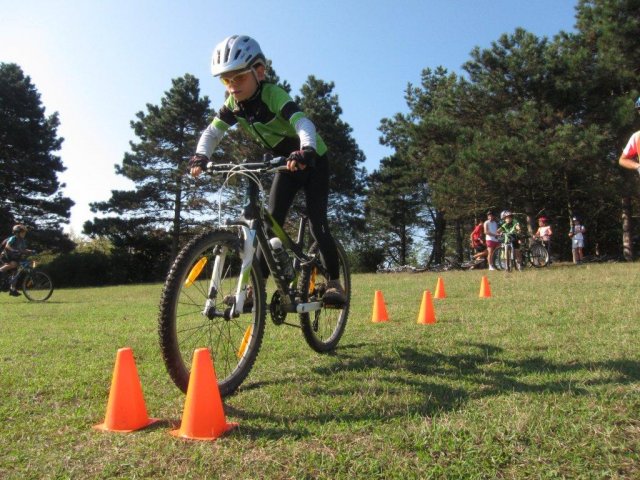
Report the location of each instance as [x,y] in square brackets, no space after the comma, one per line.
[540,381]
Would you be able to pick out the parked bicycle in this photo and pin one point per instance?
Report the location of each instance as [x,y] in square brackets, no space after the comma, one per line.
[215,296]
[34,283]
[533,253]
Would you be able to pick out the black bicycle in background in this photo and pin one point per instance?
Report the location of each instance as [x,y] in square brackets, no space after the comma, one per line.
[215,296]
[34,283]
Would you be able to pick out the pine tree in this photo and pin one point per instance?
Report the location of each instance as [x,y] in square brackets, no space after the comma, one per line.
[347,175]
[29,187]
[165,198]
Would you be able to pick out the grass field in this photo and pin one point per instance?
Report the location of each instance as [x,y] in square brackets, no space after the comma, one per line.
[540,381]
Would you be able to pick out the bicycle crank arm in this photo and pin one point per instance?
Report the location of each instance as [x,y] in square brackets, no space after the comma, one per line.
[308,307]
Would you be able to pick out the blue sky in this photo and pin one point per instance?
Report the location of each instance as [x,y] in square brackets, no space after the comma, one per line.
[97,63]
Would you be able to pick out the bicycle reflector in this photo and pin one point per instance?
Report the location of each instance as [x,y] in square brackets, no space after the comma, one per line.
[195,271]
[245,341]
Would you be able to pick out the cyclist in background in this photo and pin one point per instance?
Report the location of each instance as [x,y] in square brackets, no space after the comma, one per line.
[629,158]
[544,233]
[511,228]
[14,249]
[268,114]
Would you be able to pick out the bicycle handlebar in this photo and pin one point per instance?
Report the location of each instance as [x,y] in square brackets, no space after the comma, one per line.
[275,164]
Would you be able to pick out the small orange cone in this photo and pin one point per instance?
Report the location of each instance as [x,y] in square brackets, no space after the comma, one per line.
[203,416]
[379,308]
[427,315]
[440,293]
[485,288]
[126,410]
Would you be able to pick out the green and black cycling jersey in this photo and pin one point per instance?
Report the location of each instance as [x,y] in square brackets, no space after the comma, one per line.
[270,117]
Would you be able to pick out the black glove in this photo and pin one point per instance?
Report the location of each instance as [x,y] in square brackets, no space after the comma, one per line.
[198,160]
[306,156]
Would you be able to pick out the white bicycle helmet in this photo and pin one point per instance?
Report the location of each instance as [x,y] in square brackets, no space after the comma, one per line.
[237,52]
[505,214]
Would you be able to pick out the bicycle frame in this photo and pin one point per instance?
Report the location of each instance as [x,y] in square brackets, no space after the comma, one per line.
[255,223]
[24,266]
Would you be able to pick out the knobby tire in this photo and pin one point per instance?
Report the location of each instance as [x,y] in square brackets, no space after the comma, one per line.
[234,343]
[322,329]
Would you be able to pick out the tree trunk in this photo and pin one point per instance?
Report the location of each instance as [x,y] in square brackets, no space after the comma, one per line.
[175,241]
[403,247]
[459,241]
[627,244]
[440,224]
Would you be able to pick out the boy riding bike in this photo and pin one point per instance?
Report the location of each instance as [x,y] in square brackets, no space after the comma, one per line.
[14,249]
[267,113]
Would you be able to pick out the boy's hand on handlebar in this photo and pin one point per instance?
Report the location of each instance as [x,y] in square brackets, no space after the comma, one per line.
[300,159]
[197,164]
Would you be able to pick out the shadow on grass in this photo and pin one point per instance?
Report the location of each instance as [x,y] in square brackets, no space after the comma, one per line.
[408,382]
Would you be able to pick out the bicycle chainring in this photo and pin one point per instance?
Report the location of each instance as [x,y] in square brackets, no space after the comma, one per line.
[278,315]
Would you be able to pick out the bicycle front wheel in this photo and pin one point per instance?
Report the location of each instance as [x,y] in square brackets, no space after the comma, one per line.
[322,329]
[184,325]
[37,286]
[539,256]
[500,258]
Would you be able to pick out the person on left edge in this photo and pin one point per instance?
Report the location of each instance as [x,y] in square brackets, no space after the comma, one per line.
[269,115]
[13,251]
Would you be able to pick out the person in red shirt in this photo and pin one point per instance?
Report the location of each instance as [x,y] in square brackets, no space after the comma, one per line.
[629,158]
[477,243]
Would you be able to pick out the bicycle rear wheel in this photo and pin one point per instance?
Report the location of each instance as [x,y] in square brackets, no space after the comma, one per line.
[37,286]
[323,328]
[234,342]
[539,256]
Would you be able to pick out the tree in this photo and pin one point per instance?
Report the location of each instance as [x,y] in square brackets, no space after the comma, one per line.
[29,187]
[393,206]
[165,198]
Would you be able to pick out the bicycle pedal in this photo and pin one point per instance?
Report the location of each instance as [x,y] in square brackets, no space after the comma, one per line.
[333,306]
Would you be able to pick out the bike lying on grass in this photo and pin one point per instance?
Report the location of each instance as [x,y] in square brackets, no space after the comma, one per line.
[215,296]
[35,284]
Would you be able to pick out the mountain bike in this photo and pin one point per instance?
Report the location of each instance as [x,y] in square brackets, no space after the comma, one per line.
[35,284]
[215,296]
[535,253]
[504,255]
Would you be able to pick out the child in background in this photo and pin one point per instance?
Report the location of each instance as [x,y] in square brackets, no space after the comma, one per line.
[477,244]
[577,240]
[544,233]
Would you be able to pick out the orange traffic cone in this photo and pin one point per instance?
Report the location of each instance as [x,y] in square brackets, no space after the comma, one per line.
[379,308]
[126,410]
[203,416]
[440,293]
[485,288]
[427,315]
